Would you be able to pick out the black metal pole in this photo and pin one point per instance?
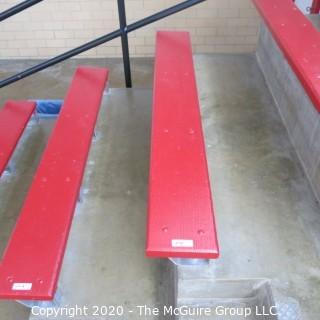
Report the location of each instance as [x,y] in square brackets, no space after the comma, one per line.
[89,45]
[18,8]
[60,58]
[124,42]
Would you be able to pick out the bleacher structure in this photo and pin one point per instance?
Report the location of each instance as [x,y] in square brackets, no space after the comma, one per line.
[180,218]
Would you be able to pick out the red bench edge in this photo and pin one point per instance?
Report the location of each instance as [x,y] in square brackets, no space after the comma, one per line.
[153,252]
[22,295]
[30,106]
[309,81]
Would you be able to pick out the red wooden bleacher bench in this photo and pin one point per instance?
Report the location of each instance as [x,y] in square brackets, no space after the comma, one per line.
[32,260]
[14,117]
[181,220]
[298,39]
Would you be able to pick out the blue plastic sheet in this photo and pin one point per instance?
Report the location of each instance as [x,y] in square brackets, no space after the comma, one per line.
[49,107]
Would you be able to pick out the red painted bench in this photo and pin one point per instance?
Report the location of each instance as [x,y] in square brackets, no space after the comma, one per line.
[14,117]
[180,213]
[298,39]
[32,260]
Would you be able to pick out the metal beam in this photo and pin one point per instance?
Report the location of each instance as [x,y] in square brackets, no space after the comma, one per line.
[17,8]
[60,58]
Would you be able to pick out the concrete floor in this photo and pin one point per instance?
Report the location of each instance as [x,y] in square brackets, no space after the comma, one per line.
[315,19]
[53,83]
[266,212]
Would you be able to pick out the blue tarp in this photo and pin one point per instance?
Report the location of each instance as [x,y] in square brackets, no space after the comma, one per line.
[48,107]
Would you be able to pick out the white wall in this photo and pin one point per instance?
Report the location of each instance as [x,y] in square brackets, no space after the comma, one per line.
[303,5]
[54,26]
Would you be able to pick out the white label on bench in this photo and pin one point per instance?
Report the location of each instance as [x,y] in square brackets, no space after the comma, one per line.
[180,243]
[22,286]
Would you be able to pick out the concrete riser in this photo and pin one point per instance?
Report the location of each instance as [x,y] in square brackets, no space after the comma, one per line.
[298,113]
[222,299]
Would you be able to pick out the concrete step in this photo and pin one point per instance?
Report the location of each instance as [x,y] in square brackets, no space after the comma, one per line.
[242,299]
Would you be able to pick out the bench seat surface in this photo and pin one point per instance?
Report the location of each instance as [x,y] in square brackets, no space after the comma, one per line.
[180,212]
[14,117]
[298,39]
[33,257]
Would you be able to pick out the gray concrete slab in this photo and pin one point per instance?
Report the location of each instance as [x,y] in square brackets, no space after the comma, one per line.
[315,19]
[268,218]
[53,83]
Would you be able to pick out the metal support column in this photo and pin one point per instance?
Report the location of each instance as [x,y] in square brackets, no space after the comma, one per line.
[124,41]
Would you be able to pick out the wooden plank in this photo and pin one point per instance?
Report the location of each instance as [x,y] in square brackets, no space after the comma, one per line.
[33,258]
[14,117]
[180,214]
[298,39]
